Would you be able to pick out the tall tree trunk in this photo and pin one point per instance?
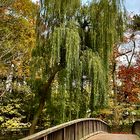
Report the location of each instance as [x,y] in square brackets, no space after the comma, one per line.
[36,116]
[44,92]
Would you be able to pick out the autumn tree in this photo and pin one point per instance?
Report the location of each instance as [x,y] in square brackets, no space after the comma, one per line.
[125,70]
[17,38]
[129,92]
[129,71]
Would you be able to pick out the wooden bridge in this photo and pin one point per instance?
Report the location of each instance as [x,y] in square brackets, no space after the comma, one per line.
[81,129]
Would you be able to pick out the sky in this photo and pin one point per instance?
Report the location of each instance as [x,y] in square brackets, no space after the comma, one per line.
[132,6]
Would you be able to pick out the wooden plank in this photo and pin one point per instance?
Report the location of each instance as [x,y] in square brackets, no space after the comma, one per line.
[114,137]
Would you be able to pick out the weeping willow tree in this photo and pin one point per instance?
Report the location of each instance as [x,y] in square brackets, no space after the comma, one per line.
[74,45]
[106,20]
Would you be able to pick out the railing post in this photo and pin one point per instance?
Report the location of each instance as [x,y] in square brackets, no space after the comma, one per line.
[64,133]
[83,129]
[76,133]
[100,126]
[86,128]
[94,124]
[45,138]
[80,130]
[90,127]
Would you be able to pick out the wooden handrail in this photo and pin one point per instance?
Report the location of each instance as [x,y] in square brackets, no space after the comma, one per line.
[74,130]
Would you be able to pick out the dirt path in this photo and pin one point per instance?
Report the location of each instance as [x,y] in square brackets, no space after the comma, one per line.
[114,137]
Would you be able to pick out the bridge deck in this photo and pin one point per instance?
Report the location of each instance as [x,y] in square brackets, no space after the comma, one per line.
[114,137]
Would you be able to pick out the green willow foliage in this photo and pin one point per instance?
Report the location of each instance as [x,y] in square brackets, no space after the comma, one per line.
[79,39]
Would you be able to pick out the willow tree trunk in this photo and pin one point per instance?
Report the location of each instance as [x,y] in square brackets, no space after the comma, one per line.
[36,116]
[45,90]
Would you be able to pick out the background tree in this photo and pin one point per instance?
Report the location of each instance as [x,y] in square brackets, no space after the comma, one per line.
[126,73]
[136,23]
[17,38]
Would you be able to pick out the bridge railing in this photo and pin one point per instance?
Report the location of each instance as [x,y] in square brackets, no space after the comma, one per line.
[79,129]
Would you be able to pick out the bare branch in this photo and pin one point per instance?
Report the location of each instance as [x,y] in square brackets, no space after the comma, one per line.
[133,52]
[121,54]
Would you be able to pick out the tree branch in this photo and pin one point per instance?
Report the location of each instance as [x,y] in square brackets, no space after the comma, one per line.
[133,52]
